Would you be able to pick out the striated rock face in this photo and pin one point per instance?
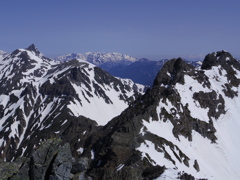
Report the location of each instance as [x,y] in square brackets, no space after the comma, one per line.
[57,163]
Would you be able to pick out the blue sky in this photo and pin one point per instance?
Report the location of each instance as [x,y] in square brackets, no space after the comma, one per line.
[153,29]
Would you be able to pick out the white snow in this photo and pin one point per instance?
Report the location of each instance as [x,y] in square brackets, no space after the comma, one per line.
[80,150]
[65,121]
[186,92]
[97,58]
[4,100]
[98,109]
[216,161]
[120,167]
[92,154]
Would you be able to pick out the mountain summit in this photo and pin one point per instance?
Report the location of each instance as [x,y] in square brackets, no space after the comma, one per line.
[33,48]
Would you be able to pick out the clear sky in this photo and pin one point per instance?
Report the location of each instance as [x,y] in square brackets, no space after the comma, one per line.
[153,29]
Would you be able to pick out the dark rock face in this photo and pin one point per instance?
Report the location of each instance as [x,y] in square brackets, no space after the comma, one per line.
[16,169]
[62,165]
[226,61]
[33,48]
[218,58]
[216,104]
[52,160]
[186,176]
[176,68]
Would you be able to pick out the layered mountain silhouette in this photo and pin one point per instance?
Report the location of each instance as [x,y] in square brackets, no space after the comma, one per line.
[68,120]
[100,59]
[141,71]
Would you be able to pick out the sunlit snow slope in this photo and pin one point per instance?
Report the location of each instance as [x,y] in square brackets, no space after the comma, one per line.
[40,94]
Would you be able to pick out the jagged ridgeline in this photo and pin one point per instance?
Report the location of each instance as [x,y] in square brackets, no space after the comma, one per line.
[40,96]
[67,120]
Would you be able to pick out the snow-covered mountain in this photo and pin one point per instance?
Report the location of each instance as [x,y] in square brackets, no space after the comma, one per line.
[2,54]
[185,127]
[39,94]
[103,60]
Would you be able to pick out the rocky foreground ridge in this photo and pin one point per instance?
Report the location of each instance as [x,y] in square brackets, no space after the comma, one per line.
[185,127]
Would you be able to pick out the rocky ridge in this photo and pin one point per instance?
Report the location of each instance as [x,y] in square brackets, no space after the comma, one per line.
[39,97]
[175,129]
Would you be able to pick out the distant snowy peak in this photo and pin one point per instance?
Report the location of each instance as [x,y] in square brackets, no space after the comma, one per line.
[3,54]
[34,49]
[103,60]
[29,63]
[29,53]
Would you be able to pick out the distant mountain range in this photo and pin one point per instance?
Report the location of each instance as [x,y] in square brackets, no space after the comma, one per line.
[103,60]
[141,71]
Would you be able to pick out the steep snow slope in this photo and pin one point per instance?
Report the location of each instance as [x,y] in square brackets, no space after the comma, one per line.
[214,160]
[99,96]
